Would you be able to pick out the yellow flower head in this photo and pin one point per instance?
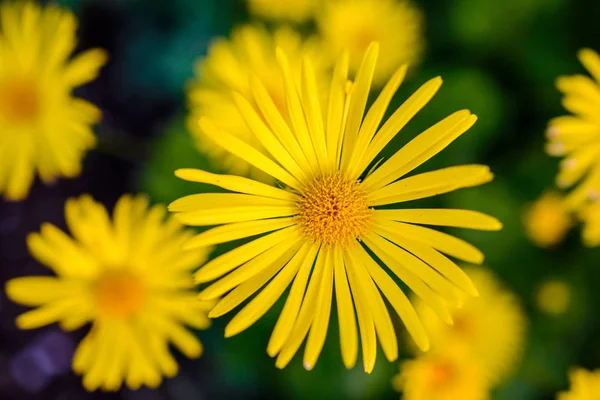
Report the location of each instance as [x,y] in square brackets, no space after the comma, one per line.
[590,216]
[448,376]
[491,327]
[577,136]
[547,220]
[585,385]
[43,128]
[553,297]
[288,10]
[353,24]
[230,67]
[317,222]
[127,276]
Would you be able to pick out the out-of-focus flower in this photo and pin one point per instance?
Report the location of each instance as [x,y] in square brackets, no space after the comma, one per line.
[316,223]
[577,136]
[43,128]
[234,66]
[490,328]
[449,376]
[585,385]
[129,277]
[547,220]
[590,216]
[288,10]
[354,24]
[553,297]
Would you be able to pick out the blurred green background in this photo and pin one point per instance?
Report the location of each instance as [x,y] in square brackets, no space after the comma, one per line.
[498,58]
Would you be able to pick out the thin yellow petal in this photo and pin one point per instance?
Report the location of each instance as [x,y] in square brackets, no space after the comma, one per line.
[373,120]
[38,290]
[221,265]
[335,110]
[227,215]
[268,296]
[246,152]
[442,217]
[420,149]
[235,184]
[318,330]
[400,118]
[306,315]
[289,314]
[591,61]
[358,101]
[194,202]
[346,315]
[399,302]
[312,111]
[235,231]
[430,184]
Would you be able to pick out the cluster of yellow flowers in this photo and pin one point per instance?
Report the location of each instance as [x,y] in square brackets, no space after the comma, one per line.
[288,119]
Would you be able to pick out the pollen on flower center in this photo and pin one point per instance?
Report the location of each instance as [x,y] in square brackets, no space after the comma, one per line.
[333,210]
[118,294]
[19,100]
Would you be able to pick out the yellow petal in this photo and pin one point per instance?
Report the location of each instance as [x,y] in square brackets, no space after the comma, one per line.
[232,214]
[335,110]
[234,183]
[591,61]
[289,314]
[346,316]
[442,217]
[204,201]
[235,231]
[312,111]
[430,184]
[38,290]
[84,67]
[420,149]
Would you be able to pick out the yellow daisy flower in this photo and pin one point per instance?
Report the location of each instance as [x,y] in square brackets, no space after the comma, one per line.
[577,136]
[491,327]
[43,128]
[448,376]
[553,297]
[353,24]
[585,385]
[326,210]
[590,216]
[127,276]
[289,10]
[547,220]
[231,66]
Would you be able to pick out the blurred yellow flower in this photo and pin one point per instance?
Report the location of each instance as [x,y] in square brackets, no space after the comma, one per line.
[491,327]
[577,136]
[353,24]
[547,220]
[448,376]
[314,221]
[232,66]
[585,385]
[43,128]
[590,216]
[127,276]
[553,297]
[287,10]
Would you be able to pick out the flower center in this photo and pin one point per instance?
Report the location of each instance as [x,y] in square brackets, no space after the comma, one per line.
[19,101]
[441,373]
[118,294]
[333,210]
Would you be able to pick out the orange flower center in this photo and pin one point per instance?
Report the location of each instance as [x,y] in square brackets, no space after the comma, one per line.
[333,210]
[441,374]
[19,101]
[119,294]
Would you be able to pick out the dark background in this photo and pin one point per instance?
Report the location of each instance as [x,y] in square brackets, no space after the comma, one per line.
[499,59]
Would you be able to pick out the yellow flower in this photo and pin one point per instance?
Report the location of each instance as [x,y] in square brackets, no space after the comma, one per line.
[289,10]
[127,276]
[491,327]
[353,24]
[553,297]
[316,223]
[577,137]
[590,215]
[43,128]
[548,220]
[229,67]
[448,376]
[585,385]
